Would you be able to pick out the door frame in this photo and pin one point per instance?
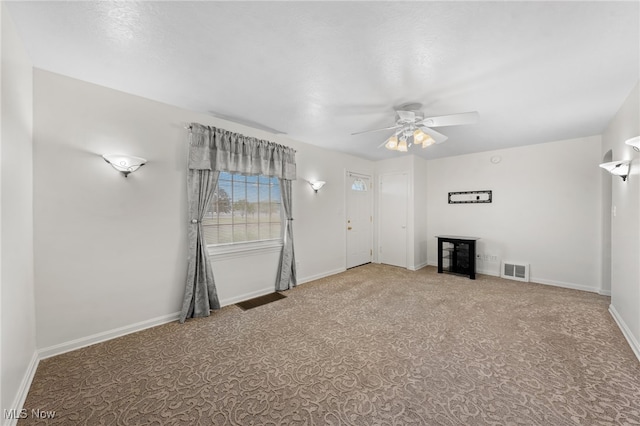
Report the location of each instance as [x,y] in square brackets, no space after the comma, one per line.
[347,174]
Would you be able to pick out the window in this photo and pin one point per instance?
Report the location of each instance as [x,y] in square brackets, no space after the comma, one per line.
[244,208]
[359,185]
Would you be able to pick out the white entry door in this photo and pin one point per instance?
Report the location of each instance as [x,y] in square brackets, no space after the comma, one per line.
[359,219]
[394,196]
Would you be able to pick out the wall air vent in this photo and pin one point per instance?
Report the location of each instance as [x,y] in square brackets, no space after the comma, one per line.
[515,271]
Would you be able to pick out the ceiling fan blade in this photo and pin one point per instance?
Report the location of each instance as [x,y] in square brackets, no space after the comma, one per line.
[395,126]
[437,136]
[451,120]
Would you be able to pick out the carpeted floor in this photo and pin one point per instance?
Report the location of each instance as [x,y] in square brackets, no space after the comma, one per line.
[374,345]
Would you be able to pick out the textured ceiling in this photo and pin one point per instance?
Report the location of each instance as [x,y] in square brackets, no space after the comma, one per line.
[319,71]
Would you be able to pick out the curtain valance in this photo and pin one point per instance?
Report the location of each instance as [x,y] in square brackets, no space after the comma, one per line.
[218,149]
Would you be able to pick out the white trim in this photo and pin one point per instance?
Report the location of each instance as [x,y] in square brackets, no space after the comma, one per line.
[420,266]
[543,281]
[105,335]
[23,391]
[602,292]
[635,346]
[237,250]
[257,293]
[321,275]
[487,272]
[563,284]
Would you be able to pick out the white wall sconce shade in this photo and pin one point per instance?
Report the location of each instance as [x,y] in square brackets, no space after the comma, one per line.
[634,142]
[316,185]
[617,168]
[125,164]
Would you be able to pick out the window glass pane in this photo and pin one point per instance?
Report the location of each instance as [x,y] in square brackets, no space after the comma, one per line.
[276,230]
[275,215]
[252,232]
[239,233]
[359,185]
[224,234]
[263,193]
[252,206]
[275,193]
[210,234]
[239,201]
[252,179]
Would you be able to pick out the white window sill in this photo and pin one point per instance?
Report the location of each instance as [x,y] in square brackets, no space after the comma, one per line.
[236,250]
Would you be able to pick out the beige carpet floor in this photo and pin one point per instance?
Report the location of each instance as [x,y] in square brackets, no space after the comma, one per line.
[376,345]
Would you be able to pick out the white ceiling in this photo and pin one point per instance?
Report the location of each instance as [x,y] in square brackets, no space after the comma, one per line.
[319,71]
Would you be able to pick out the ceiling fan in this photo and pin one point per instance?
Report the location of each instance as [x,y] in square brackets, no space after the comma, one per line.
[413,128]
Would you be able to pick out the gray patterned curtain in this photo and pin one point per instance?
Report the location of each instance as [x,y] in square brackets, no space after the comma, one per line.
[287,270]
[212,150]
[200,295]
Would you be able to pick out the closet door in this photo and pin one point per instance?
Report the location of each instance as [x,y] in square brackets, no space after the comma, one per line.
[393,202]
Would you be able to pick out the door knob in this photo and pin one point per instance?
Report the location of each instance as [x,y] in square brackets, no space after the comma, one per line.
[349,228]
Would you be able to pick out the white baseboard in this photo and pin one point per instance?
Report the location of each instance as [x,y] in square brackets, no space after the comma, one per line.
[602,292]
[488,272]
[321,275]
[419,266]
[105,335]
[544,281]
[246,296]
[21,396]
[626,332]
[564,284]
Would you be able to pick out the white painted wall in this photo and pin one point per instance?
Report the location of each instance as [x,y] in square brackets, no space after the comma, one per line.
[625,224]
[18,332]
[545,210]
[110,251]
[320,225]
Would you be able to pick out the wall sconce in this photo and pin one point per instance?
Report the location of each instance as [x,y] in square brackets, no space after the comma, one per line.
[125,164]
[617,168]
[634,142]
[316,185]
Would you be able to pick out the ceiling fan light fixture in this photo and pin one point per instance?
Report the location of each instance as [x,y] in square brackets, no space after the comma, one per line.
[402,145]
[428,141]
[419,136]
[392,143]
